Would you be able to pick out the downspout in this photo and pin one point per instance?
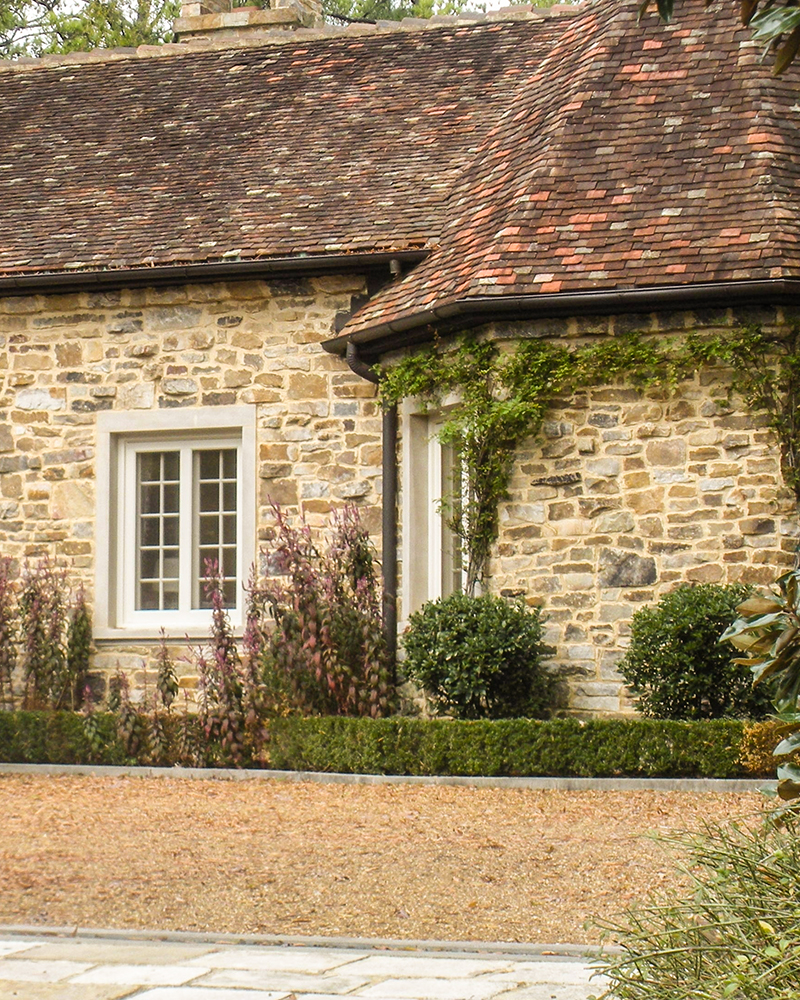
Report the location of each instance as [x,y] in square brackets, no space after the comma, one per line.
[388,511]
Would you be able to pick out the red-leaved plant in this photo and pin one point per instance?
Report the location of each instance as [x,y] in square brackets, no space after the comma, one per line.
[315,624]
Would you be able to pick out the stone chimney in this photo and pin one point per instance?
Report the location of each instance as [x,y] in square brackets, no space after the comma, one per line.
[220,19]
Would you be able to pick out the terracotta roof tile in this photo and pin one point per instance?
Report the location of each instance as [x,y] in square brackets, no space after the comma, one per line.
[629,159]
[306,147]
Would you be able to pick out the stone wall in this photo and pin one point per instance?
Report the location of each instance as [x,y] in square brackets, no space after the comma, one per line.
[626,495]
[65,358]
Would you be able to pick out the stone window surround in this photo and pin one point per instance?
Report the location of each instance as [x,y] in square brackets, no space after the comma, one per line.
[199,424]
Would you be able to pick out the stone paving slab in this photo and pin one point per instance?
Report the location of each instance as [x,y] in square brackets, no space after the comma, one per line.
[103,952]
[279,959]
[46,967]
[64,991]
[122,974]
[289,982]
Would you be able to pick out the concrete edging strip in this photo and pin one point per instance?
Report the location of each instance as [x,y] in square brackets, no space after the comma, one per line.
[443,949]
[716,785]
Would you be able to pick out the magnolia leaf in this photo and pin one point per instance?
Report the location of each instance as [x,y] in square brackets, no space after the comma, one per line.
[787,52]
[665,8]
[789,745]
[789,772]
[758,606]
[788,789]
[772,22]
[748,9]
[786,637]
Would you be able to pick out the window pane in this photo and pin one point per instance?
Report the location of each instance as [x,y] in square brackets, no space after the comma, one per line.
[209,496]
[229,593]
[148,564]
[170,530]
[150,530]
[229,463]
[170,600]
[209,464]
[172,466]
[209,529]
[150,467]
[229,496]
[171,499]
[150,499]
[149,597]
[229,563]
[229,529]
[170,564]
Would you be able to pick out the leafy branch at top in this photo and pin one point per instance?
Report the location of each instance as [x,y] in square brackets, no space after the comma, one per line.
[776,23]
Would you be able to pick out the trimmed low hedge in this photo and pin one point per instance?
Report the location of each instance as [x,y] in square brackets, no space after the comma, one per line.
[505,747]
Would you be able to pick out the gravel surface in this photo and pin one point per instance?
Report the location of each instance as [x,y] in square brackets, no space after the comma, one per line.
[394,861]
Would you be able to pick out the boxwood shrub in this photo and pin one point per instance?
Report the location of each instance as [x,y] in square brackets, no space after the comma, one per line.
[503,747]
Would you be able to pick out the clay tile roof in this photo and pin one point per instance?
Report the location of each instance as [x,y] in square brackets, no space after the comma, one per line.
[527,157]
[632,156]
[319,146]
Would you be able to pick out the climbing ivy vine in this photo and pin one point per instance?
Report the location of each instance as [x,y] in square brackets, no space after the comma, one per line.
[503,396]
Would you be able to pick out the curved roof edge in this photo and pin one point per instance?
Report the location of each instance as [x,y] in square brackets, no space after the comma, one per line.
[471,312]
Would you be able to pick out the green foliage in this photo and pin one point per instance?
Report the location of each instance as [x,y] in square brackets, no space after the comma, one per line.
[676,665]
[734,934]
[765,373]
[503,748]
[8,635]
[38,27]
[503,398]
[478,657]
[768,633]
[777,25]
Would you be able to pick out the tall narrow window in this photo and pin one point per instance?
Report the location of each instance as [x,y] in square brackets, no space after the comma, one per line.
[432,559]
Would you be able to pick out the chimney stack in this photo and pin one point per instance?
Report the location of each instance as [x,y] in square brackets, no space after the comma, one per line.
[219,19]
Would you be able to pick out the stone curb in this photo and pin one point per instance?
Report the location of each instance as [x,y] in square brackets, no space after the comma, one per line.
[443,949]
[325,778]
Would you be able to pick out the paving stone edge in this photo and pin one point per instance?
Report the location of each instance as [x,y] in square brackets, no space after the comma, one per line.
[326,778]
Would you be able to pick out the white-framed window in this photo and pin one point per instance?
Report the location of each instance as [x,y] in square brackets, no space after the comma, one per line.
[432,558]
[179,499]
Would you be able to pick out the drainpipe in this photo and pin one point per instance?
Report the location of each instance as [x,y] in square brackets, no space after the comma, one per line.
[389,509]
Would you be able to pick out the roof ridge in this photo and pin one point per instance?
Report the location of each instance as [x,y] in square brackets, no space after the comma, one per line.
[522,12]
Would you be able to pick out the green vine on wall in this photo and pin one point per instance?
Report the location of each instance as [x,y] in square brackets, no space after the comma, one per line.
[503,398]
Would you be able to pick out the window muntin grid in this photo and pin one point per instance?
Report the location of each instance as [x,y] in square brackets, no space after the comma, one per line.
[181,503]
[158,530]
[216,519]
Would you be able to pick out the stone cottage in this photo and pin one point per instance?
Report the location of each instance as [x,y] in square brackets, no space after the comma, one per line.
[205,246]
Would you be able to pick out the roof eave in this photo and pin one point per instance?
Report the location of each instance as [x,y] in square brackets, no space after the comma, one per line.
[465,313]
[174,274]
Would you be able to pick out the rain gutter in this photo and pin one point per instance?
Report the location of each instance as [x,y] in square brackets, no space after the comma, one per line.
[464,313]
[174,274]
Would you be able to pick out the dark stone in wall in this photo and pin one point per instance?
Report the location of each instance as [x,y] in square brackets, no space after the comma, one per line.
[625,569]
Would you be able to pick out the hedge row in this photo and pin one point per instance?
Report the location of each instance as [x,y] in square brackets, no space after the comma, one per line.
[513,747]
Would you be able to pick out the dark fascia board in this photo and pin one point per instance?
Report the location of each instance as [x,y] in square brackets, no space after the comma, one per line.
[465,313]
[183,274]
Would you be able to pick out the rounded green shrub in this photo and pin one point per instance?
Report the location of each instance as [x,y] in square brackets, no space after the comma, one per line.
[479,658]
[675,665]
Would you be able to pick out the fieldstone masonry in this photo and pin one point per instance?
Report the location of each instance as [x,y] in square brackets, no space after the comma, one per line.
[627,494]
[64,358]
[623,496]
